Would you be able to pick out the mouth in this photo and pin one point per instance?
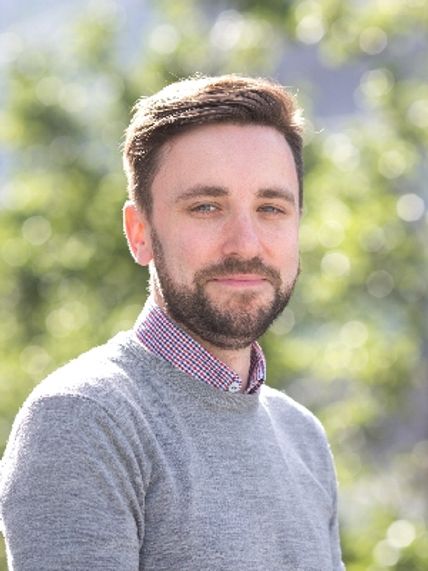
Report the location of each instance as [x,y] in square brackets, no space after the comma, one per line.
[241,280]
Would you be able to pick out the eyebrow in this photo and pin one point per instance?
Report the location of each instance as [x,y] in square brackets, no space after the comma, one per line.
[219,191]
[281,193]
[200,191]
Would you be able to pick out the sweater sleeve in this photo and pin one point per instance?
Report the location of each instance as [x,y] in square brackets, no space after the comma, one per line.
[70,495]
[336,552]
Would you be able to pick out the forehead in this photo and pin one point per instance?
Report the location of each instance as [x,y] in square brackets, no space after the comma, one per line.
[229,155]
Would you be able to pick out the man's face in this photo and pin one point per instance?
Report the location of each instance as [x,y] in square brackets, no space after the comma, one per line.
[223,234]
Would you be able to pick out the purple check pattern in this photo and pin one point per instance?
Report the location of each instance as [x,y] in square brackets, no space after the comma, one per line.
[164,338]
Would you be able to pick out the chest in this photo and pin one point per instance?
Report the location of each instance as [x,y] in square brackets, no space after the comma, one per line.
[241,499]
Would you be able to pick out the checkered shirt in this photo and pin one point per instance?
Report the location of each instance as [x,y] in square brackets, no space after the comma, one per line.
[164,338]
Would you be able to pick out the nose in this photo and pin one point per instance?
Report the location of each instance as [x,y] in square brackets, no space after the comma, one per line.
[241,237]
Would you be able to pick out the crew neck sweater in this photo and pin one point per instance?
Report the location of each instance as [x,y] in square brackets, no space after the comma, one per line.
[119,461]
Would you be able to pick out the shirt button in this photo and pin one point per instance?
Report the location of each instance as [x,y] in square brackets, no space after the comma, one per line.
[234,387]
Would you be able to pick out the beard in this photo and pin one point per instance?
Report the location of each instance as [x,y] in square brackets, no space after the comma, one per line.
[237,323]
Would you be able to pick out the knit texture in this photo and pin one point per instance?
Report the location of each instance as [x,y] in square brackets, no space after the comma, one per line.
[119,461]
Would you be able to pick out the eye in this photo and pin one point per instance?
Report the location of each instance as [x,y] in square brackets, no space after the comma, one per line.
[271,209]
[205,208]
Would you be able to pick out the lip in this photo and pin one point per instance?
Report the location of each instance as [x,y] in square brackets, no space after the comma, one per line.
[241,280]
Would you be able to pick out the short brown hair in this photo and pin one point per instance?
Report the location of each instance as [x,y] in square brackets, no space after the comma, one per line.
[200,101]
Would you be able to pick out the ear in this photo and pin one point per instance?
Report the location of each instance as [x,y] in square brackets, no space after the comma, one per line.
[137,231]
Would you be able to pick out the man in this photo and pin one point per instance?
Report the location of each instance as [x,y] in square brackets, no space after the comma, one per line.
[164,449]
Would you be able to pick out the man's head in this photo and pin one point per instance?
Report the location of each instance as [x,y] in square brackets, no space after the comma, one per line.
[194,102]
[217,214]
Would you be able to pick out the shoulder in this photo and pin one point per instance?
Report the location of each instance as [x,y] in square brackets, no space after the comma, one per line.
[106,375]
[76,435]
[299,428]
[278,403]
[88,408]
[108,388]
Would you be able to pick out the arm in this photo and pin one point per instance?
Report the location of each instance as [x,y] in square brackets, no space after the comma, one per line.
[70,496]
[336,552]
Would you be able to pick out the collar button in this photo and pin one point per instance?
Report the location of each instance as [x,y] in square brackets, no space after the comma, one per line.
[234,387]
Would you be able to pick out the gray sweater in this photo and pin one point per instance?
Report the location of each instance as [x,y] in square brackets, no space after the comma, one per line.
[118,461]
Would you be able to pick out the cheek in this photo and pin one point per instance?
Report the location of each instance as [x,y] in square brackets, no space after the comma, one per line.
[181,261]
[287,242]
[288,255]
[195,247]
[293,242]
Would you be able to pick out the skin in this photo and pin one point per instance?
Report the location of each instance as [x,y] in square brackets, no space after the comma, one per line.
[222,192]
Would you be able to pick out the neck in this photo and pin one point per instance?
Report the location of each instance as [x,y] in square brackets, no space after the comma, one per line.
[239,360]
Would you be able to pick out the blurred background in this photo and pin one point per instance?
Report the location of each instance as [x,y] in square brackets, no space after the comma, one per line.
[353,345]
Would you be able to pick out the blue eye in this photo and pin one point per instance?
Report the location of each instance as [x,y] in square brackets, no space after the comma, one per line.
[204,208]
[270,209]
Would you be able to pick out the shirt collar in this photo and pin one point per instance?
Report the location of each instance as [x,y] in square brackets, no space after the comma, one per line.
[165,338]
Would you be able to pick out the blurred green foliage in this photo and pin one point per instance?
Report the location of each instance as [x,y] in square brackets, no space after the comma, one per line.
[353,345]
